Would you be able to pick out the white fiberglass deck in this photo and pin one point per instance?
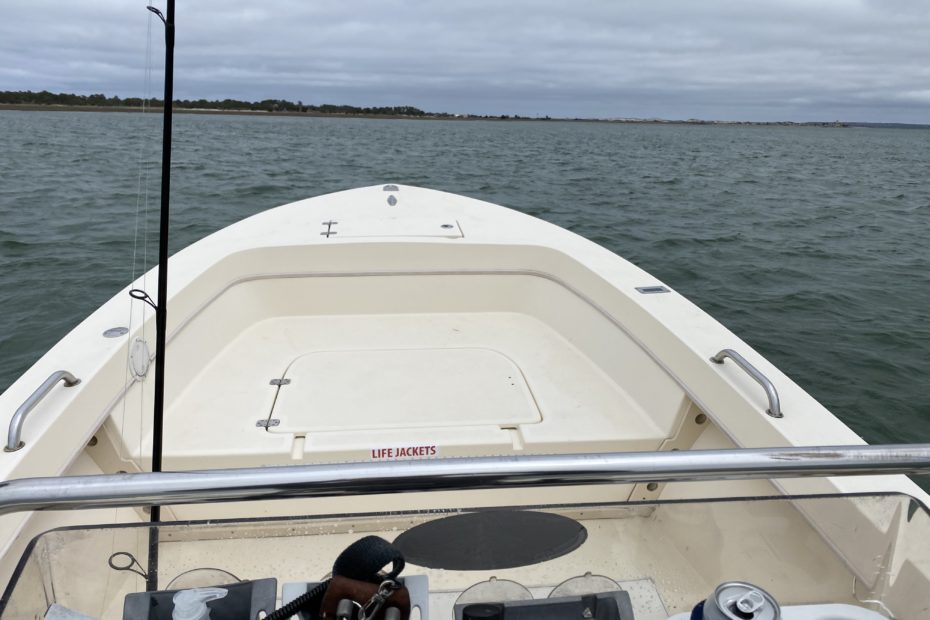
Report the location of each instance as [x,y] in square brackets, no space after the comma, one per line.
[457,383]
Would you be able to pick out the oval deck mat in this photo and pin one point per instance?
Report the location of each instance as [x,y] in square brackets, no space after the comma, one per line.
[491,539]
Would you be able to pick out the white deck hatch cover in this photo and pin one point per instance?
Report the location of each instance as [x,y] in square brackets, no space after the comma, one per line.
[402,388]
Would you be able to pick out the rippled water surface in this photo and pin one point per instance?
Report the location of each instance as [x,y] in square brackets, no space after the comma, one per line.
[811,244]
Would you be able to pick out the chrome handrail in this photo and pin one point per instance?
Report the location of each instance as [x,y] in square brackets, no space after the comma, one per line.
[14,441]
[455,474]
[774,409]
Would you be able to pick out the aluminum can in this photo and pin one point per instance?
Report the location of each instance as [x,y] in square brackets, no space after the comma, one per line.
[737,600]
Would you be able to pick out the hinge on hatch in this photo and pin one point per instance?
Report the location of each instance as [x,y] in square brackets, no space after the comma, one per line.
[266,423]
[279,382]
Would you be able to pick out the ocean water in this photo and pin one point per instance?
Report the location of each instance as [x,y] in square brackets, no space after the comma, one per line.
[811,244]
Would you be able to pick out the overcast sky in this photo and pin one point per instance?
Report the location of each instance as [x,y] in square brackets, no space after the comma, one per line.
[866,60]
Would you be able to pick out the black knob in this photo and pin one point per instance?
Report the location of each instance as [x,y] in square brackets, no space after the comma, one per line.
[483,611]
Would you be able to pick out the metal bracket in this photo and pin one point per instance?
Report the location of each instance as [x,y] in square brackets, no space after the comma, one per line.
[329,228]
[279,382]
[266,423]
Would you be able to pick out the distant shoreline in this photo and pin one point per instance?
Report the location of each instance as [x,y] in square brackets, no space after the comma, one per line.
[35,107]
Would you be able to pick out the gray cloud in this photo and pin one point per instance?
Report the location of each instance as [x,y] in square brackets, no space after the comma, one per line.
[794,59]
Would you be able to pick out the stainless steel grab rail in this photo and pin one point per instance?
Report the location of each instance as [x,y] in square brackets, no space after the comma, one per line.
[455,474]
[13,441]
[774,409]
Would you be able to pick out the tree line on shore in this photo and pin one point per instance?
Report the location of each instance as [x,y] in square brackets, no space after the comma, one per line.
[28,97]
[267,105]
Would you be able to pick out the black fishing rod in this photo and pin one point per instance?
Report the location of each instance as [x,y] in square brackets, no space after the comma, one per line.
[161,308]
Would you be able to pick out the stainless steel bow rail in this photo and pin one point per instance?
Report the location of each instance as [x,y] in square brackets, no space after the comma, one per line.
[774,409]
[456,474]
[15,433]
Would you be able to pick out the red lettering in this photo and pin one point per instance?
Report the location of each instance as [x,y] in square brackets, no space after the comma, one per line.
[403,451]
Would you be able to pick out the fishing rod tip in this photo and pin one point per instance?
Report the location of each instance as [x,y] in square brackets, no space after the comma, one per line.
[157,12]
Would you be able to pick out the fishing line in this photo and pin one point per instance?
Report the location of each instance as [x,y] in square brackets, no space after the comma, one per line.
[141,213]
[142,200]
